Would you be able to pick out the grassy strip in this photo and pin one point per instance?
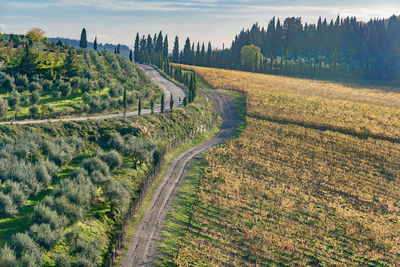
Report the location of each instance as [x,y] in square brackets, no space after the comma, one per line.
[131,226]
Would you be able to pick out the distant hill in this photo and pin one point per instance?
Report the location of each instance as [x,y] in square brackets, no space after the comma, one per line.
[124,50]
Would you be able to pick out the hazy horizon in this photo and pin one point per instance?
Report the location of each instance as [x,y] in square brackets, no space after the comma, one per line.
[218,21]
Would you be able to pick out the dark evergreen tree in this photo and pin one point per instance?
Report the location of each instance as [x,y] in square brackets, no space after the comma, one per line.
[171,102]
[159,43]
[95,44]
[83,42]
[165,47]
[29,62]
[140,106]
[137,50]
[175,52]
[124,102]
[130,55]
[162,103]
[70,68]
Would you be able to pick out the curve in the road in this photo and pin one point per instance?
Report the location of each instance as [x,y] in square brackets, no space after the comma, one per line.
[178,93]
[142,250]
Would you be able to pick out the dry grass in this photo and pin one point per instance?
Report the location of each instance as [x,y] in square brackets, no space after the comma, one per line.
[286,194]
[365,111]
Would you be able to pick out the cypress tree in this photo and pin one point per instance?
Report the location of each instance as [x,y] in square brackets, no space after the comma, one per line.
[159,43]
[171,103]
[130,55]
[115,50]
[165,47]
[162,103]
[187,52]
[152,106]
[185,101]
[197,56]
[124,101]
[202,55]
[136,51]
[140,106]
[118,49]
[175,52]
[83,41]
[209,51]
[95,44]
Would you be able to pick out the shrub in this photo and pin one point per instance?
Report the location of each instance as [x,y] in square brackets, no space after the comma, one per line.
[8,83]
[31,259]
[87,249]
[22,242]
[7,207]
[116,142]
[99,178]
[3,108]
[34,110]
[73,212]
[42,175]
[47,85]
[13,99]
[65,88]
[18,196]
[35,97]
[95,164]
[22,80]
[44,235]
[7,257]
[44,214]
[116,90]
[62,261]
[34,86]
[112,158]
[116,193]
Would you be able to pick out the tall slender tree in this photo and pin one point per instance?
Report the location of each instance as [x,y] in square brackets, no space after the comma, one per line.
[175,52]
[140,106]
[162,103]
[130,55]
[171,102]
[124,100]
[95,43]
[165,47]
[83,42]
[137,49]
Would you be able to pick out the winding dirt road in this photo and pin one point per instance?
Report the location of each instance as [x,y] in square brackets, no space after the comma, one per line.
[167,86]
[143,246]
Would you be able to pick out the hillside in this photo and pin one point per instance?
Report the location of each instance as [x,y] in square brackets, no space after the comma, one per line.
[308,182]
[42,79]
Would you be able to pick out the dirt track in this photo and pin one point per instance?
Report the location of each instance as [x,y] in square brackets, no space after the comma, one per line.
[167,86]
[143,246]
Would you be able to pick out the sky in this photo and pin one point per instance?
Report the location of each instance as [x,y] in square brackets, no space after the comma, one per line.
[218,21]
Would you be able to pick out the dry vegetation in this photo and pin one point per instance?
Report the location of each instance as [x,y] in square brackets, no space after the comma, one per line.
[318,104]
[288,193]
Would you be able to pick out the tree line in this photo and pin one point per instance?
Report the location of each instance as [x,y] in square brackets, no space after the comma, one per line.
[344,48]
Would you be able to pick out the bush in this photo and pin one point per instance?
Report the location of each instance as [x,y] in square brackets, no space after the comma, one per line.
[47,85]
[42,175]
[116,142]
[18,196]
[44,235]
[95,164]
[13,99]
[116,193]
[112,158]
[34,110]
[7,207]
[65,88]
[35,97]
[7,257]
[3,108]
[116,90]
[73,212]
[62,261]
[31,259]
[44,214]
[22,80]
[34,86]
[22,243]
[8,83]
[87,249]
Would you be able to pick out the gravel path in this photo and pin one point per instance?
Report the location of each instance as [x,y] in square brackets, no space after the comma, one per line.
[143,246]
[167,86]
